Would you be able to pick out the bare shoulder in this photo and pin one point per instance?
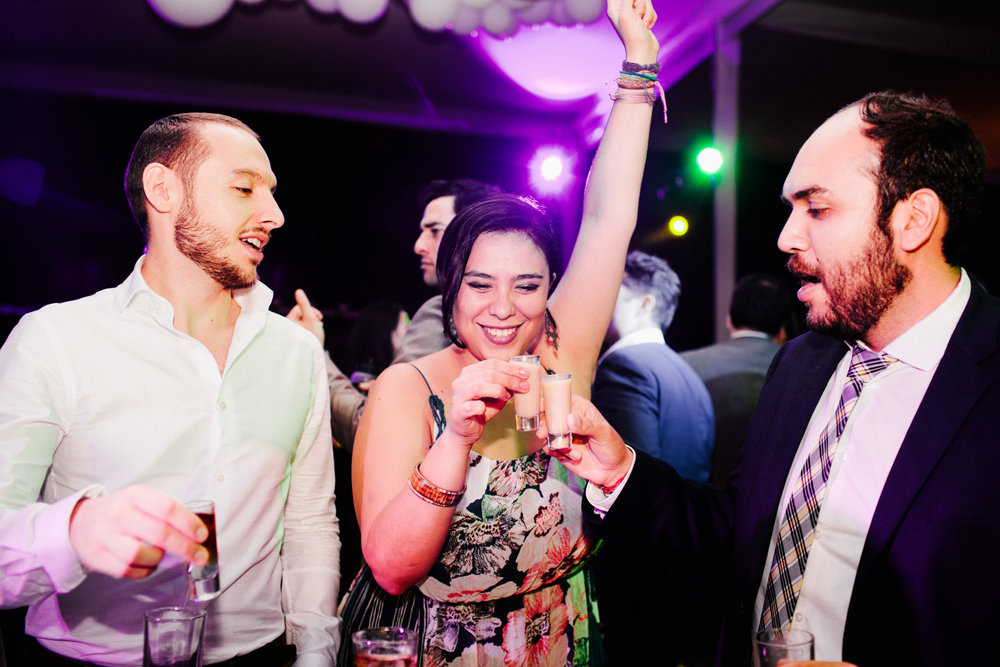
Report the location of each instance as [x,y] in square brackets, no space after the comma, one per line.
[437,370]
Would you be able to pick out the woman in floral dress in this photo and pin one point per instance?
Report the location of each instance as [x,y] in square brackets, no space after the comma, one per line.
[471,533]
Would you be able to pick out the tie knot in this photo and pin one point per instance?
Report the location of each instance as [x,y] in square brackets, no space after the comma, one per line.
[866,364]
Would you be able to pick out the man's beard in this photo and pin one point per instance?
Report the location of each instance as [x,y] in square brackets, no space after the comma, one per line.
[203,245]
[860,291]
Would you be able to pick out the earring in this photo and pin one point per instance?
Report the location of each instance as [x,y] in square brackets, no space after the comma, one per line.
[453,333]
[551,330]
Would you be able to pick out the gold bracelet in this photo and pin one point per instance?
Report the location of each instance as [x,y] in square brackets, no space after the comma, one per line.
[430,492]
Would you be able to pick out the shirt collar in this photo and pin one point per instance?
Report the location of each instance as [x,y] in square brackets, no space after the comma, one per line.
[135,292]
[637,337]
[749,333]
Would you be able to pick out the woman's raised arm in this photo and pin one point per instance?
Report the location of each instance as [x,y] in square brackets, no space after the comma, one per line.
[585,298]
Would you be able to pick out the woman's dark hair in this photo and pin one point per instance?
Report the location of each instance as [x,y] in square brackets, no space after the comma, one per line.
[501,213]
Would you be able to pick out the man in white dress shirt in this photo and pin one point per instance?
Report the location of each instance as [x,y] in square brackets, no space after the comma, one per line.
[176,385]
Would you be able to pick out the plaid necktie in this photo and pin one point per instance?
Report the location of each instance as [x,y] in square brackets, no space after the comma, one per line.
[795,534]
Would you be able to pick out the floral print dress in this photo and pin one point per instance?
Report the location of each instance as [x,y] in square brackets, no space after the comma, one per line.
[509,587]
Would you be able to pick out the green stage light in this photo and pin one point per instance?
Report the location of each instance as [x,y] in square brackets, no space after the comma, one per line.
[710,160]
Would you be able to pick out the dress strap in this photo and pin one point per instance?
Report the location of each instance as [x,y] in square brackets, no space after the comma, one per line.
[437,406]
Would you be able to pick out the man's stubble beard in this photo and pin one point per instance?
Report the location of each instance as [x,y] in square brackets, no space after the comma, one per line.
[203,245]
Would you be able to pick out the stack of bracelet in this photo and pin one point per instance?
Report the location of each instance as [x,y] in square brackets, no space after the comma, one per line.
[430,492]
[637,84]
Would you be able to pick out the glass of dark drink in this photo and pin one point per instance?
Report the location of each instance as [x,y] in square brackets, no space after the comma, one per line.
[173,637]
[385,647]
[203,582]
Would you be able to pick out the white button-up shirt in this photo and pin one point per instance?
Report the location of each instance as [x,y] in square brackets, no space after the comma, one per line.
[102,393]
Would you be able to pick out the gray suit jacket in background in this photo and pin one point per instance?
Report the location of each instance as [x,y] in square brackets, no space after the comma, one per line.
[733,372]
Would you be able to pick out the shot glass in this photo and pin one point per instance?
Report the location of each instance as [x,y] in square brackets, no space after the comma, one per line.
[173,637]
[557,390]
[203,582]
[770,646]
[385,647]
[526,404]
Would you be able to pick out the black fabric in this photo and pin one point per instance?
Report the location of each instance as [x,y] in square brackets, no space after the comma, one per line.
[273,654]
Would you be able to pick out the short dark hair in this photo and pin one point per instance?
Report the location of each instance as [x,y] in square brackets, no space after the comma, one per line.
[652,275]
[499,213]
[760,302]
[174,142]
[466,191]
[924,144]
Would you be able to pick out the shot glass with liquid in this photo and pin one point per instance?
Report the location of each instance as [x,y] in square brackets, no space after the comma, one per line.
[526,405]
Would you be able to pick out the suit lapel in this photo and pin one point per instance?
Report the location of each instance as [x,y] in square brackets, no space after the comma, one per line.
[954,390]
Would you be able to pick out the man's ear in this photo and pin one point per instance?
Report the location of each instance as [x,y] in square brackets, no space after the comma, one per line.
[921,214]
[647,304]
[162,187]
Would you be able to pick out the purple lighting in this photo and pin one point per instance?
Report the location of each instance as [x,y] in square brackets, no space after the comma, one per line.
[556,62]
[550,171]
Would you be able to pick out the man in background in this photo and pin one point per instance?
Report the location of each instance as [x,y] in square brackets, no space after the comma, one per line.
[733,371]
[649,393]
[441,201]
[644,388]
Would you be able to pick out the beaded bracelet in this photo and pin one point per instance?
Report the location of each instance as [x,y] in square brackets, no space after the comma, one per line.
[653,68]
[430,492]
[634,85]
[635,81]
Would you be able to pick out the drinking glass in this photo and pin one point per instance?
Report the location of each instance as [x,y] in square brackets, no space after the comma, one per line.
[526,404]
[173,637]
[203,582]
[385,647]
[770,646]
[557,391]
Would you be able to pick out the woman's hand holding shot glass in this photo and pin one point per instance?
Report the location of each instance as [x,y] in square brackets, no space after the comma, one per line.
[598,453]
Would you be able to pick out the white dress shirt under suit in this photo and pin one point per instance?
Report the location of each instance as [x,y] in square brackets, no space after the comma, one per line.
[102,393]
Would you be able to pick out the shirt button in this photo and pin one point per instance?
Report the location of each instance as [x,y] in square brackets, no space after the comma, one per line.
[222,405]
[817,534]
[799,617]
[220,478]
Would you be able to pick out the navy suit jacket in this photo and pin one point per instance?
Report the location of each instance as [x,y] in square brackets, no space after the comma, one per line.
[659,405]
[928,581]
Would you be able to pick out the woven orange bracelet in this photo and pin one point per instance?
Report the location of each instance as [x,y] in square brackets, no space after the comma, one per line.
[429,492]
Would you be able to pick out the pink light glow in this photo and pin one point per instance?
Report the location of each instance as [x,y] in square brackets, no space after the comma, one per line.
[550,170]
[556,62]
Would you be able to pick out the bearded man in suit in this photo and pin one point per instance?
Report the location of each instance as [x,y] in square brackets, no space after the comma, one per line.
[899,518]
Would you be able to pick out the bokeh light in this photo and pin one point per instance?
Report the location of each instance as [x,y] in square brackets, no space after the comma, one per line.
[678,225]
[550,171]
[710,160]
